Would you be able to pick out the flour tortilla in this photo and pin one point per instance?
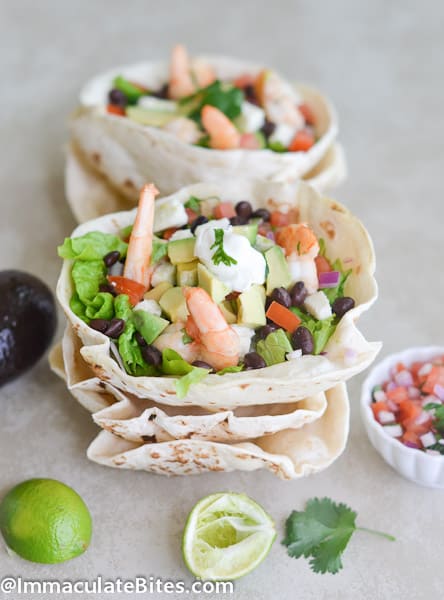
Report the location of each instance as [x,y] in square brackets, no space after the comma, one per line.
[129,154]
[347,351]
[90,194]
[289,454]
[137,419]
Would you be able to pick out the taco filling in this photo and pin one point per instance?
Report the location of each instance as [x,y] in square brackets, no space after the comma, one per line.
[252,112]
[230,289]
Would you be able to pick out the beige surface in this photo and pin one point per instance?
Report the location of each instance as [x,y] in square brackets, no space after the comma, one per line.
[382,66]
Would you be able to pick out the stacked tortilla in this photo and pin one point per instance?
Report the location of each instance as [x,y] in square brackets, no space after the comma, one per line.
[109,158]
[290,418]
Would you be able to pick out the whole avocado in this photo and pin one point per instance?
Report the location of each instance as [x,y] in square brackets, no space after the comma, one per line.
[27,322]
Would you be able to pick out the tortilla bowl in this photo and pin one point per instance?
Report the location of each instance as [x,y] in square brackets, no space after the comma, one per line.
[289,454]
[138,420]
[91,195]
[346,353]
[129,154]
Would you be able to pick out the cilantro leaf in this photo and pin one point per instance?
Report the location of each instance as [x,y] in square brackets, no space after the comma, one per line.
[438,417]
[220,255]
[193,203]
[321,533]
[226,97]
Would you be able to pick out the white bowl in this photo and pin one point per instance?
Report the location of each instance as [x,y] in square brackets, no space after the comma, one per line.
[424,469]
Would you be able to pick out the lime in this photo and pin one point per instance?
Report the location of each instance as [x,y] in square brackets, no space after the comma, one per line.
[226,536]
[45,521]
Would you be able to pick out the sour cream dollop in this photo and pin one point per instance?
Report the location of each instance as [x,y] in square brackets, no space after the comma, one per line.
[250,266]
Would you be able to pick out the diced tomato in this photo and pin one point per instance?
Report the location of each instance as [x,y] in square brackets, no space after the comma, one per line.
[283,317]
[435,377]
[418,428]
[279,219]
[414,370]
[377,407]
[400,367]
[169,232]
[224,210]
[133,289]
[243,80]
[398,394]
[302,141]
[116,110]
[322,265]
[409,411]
[411,437]
[249,141]
[191,215]
[307,113]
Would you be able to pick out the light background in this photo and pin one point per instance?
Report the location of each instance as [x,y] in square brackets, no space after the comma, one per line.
[382,64]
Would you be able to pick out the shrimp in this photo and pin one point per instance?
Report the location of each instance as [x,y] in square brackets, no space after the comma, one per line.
[172,337]
[181,82]
[301,248]
[184,129]
[279,100]
[219,344]
[223,134]
[141,241]
[203,73]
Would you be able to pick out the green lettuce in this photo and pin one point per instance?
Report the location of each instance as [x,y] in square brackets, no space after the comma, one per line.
[174,364]
[129,350]
[230,370]
[274,348]
[101,307]
[320,330]
[226,97]
[160,249]
[91,246]
[338,291]
[87,302]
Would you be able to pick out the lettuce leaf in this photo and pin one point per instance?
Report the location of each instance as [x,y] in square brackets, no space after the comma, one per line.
[226,97]
[174,364]
[87,277]
[101,307]
[129,350]
[320,330]
[160,249]
[91,246]
[338,291]
[274,348]
[230,370]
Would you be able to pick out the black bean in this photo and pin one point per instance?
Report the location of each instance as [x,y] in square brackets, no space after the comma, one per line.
[111,258]
[115,328]
[264,331]
[152,355]
[244,209]
[342,305]
[107,288]
[161,93]
[117,98]
[298,293]
[253,360]
[140,339]
[99,325]
[237,220]
[261,213]
[281,296]
[268,301]
[268,128]
[302,339]
[201,220]
[250,94]
[202,365]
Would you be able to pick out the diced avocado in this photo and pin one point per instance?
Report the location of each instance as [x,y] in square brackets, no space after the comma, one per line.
[148,325]
[145,116]
[187,273]
[263,243]
[248,231]
[228,312]
[157,292]
[174,305]
[251,307]
[278,271]
[181,251]
[211,284]
[274,348]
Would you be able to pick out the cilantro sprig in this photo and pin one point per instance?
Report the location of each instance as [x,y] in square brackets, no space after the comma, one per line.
[220,256]
[322,532]
[193,203]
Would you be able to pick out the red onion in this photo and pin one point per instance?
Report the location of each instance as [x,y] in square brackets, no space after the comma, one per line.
[412,445]
[270,235]
[438,390]
[414,392]
[404,378]
[391,386]
[329,279]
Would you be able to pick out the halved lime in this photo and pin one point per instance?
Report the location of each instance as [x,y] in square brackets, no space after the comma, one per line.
[226,536]
[45,521]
